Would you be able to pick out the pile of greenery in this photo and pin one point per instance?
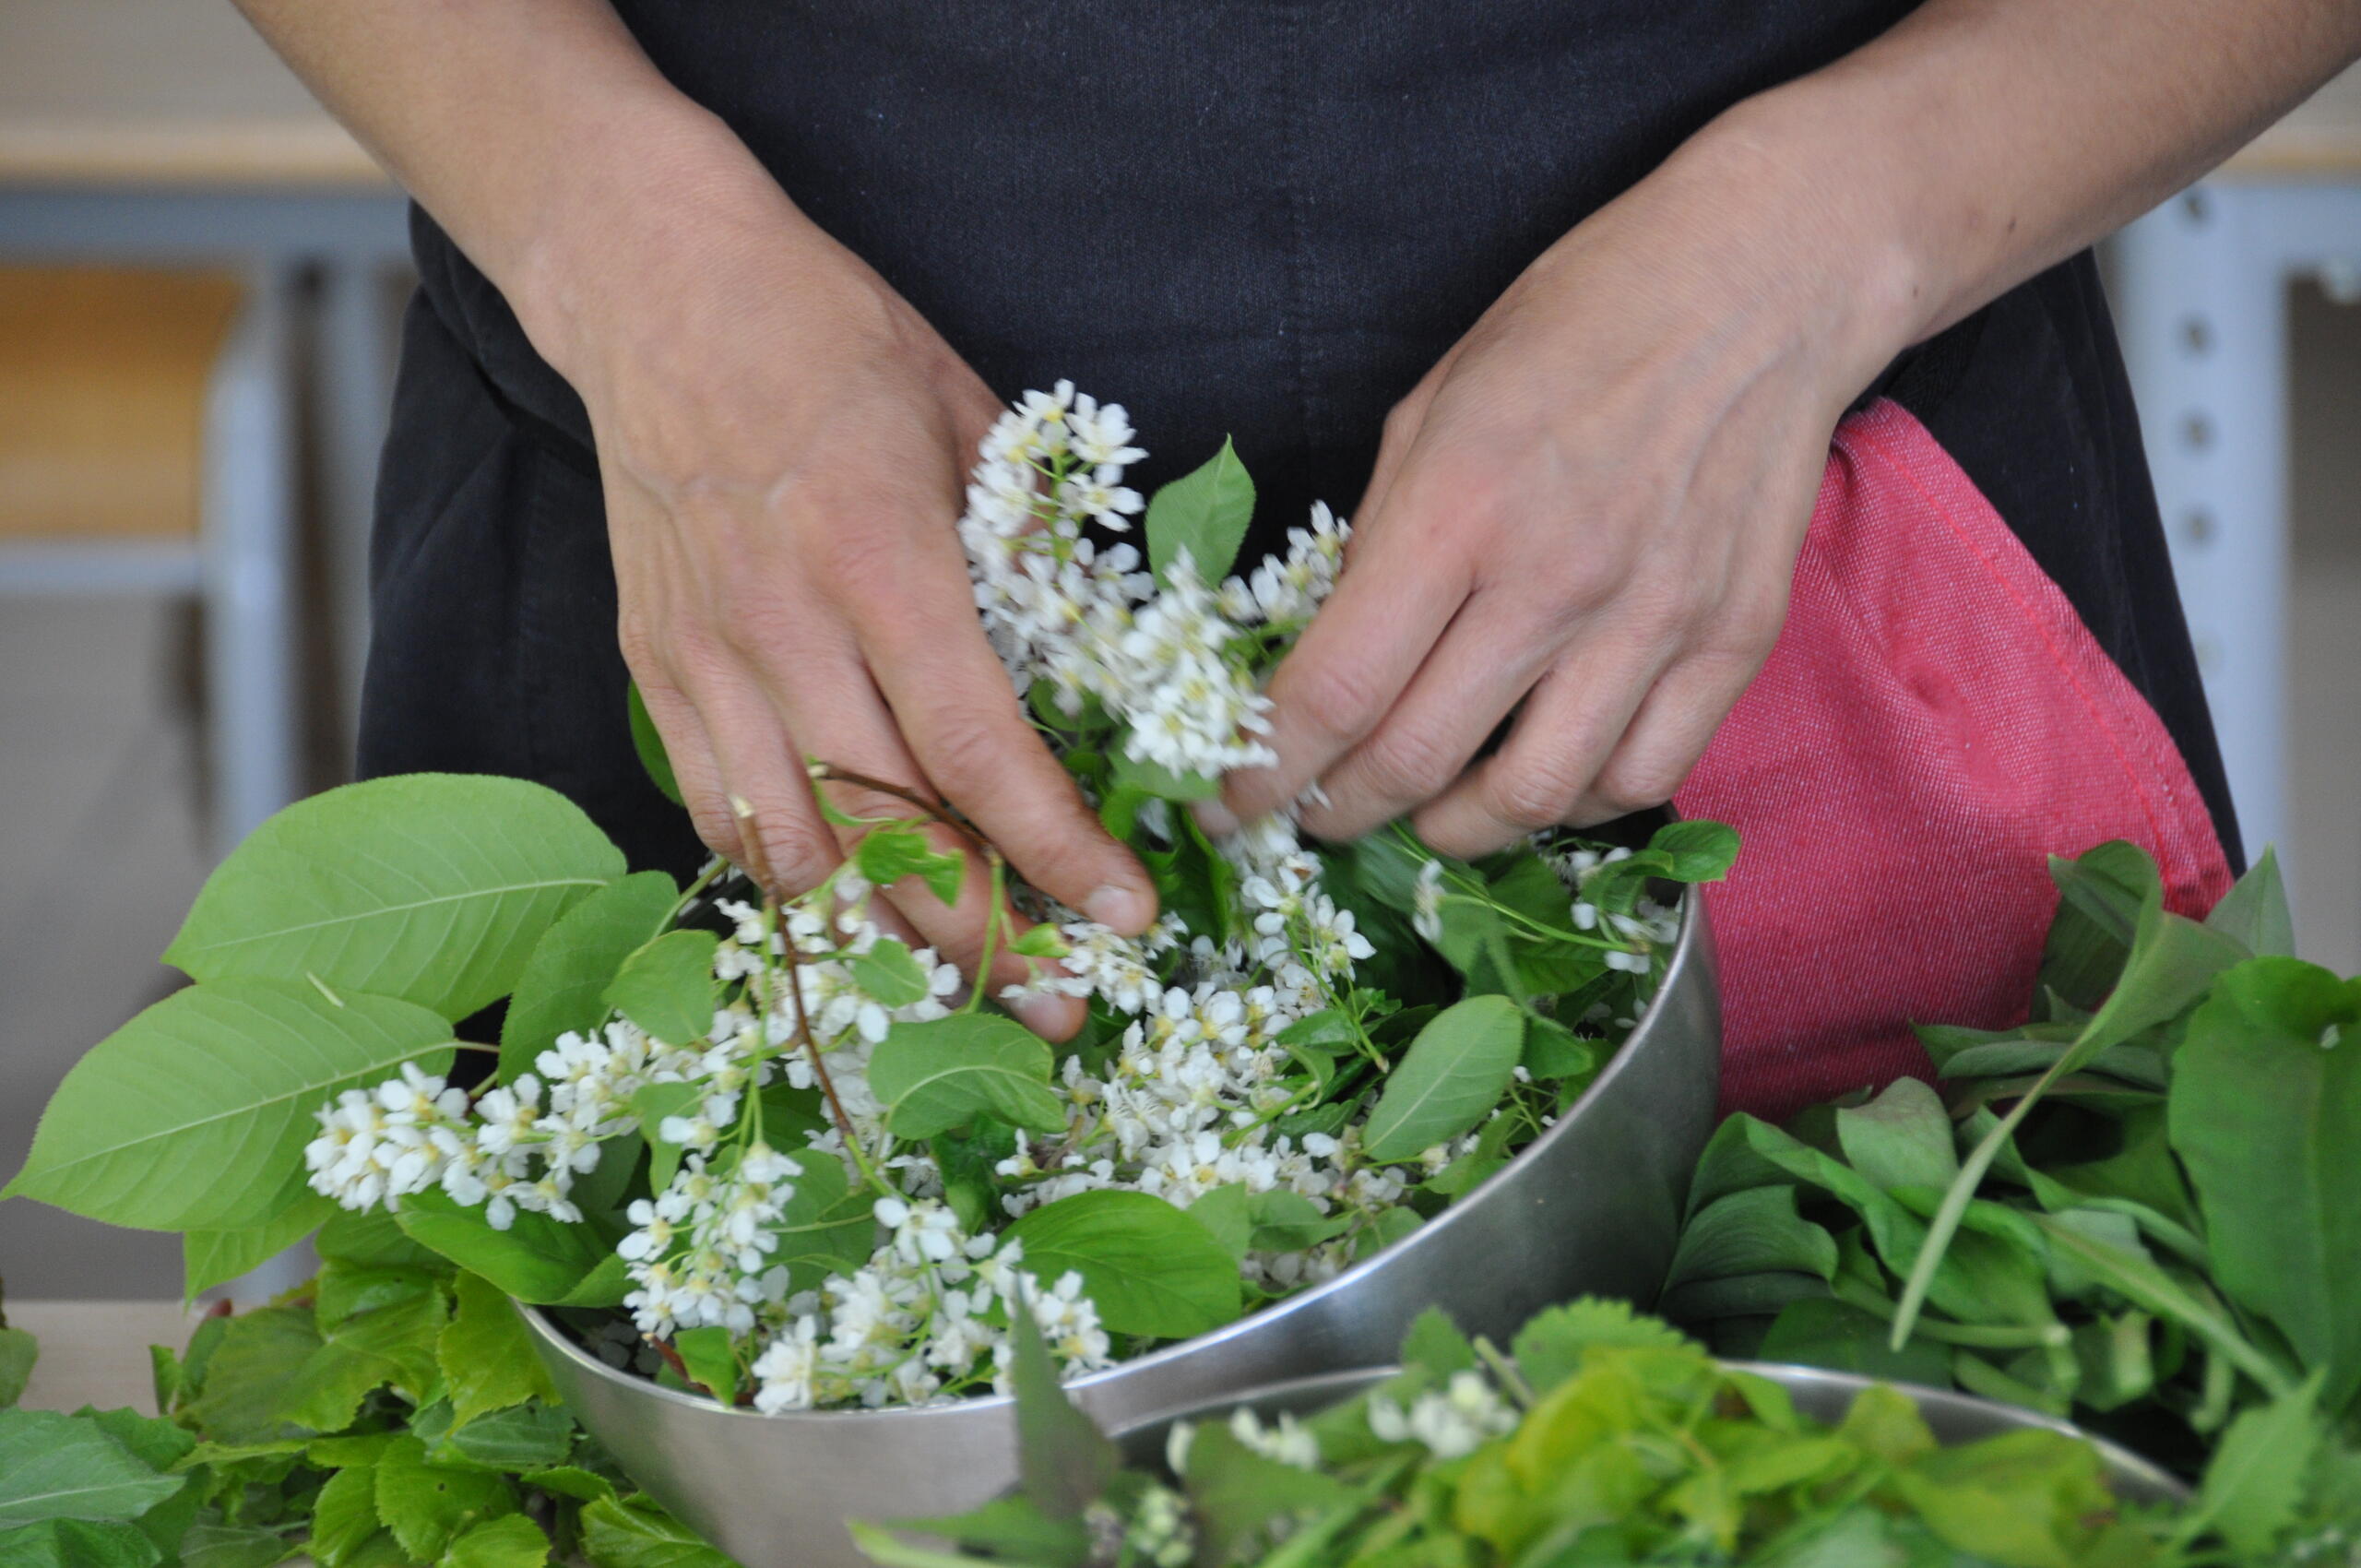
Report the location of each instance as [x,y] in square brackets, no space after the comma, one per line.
[389,1413]
[2141,1209]
[1608,1439]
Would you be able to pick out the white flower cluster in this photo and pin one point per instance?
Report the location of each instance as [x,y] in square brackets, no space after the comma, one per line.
[1451,1421]
[1171,664]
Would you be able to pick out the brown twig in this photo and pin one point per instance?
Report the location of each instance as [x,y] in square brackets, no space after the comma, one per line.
[948,815]
[753,844]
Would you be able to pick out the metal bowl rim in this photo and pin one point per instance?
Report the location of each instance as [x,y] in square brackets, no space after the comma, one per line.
[1684,956]
[1786,1375]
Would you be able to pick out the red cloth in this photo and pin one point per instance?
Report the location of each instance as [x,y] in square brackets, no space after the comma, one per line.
[1934,722]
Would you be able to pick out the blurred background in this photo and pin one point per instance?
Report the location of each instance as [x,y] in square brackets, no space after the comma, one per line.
[199,278]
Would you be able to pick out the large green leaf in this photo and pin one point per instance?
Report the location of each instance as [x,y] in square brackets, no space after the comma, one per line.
[194,1114]
[536,1259]
[1902,1138]
[564,984]
[1754,1231]
[2266,1112]
[1453,1073]
[430,887]
[1151,1269]
[938,1075]
[426,1504]
[208,1257]
[650,743]
[1204,513]
[55,1466]
[667,986]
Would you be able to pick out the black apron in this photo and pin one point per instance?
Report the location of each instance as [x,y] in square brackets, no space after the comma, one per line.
[1259,217]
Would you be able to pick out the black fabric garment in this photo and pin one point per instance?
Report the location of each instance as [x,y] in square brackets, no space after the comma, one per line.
[1259,217]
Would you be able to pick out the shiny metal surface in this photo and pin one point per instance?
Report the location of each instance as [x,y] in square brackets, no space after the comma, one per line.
[1823,1395]
[1591,1205]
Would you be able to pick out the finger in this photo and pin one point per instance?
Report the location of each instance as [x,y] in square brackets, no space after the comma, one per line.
[1486,661]
[781,839]
[1668,734]
[695,770]
[955,930]
[1570,725]
[1352,663]
[961,721]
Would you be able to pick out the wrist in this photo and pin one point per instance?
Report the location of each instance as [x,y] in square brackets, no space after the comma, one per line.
[640,210]
[1832,221]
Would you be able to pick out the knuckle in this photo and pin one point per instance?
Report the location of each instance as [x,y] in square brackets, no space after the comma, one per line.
[1532,793]
[1634,784]
[1340,696]
[1409,764]
[796,857]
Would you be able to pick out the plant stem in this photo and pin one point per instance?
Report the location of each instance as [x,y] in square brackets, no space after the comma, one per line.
[948,815]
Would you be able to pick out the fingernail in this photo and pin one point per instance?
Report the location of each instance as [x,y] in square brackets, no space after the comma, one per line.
[1124,909]
[1214,818]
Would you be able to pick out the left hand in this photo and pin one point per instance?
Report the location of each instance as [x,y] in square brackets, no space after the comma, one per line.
[1587,514]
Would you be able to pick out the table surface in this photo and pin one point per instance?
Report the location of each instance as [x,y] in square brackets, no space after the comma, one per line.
[181,92]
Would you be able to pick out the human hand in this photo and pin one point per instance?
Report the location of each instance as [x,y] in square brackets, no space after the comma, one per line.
[783,443]
[1587,514]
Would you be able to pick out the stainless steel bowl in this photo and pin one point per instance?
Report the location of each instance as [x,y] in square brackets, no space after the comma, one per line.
[1591,1205]
[1823,1395]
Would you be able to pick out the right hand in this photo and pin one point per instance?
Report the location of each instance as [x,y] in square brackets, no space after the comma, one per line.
[783,445]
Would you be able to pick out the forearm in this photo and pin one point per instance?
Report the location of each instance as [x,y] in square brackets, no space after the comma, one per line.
[540,138]
[1981,141]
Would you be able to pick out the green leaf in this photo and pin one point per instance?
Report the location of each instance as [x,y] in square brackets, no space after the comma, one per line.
[1554,1052]
[967,1163]
[19,1351]
[1695,850]
[1205,514]
[1552,1346]
[1828,1332]
[571,1480]
[637,1533]
[2031,1498]
[55,1466]
[2172,962]
[1235,1492]
[1435,1344]
[705,1352]
[510,1541]
[486,1354]
[887,855]
[346,1515]
[649,744]
[938,1074]
[1012,1527]
[1150,1268]
[194,1114]
[536,1259]
[1063,1460]
[77,1543]
[654,1104]
[563,985]
[1452,1074]
[829,1226]
[2101,895]
[2254,913]
[431,887]
[374,1240]
[667,986]
[889,975]
[1285,1222]
[208,1257]
[2266,1113]
[426,1505]
[403,1333]
[1158,782]
[1226,1213]
[523,1437]
[206,1545]
[1902,1138]
[2254,1484]
[1754,1231]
